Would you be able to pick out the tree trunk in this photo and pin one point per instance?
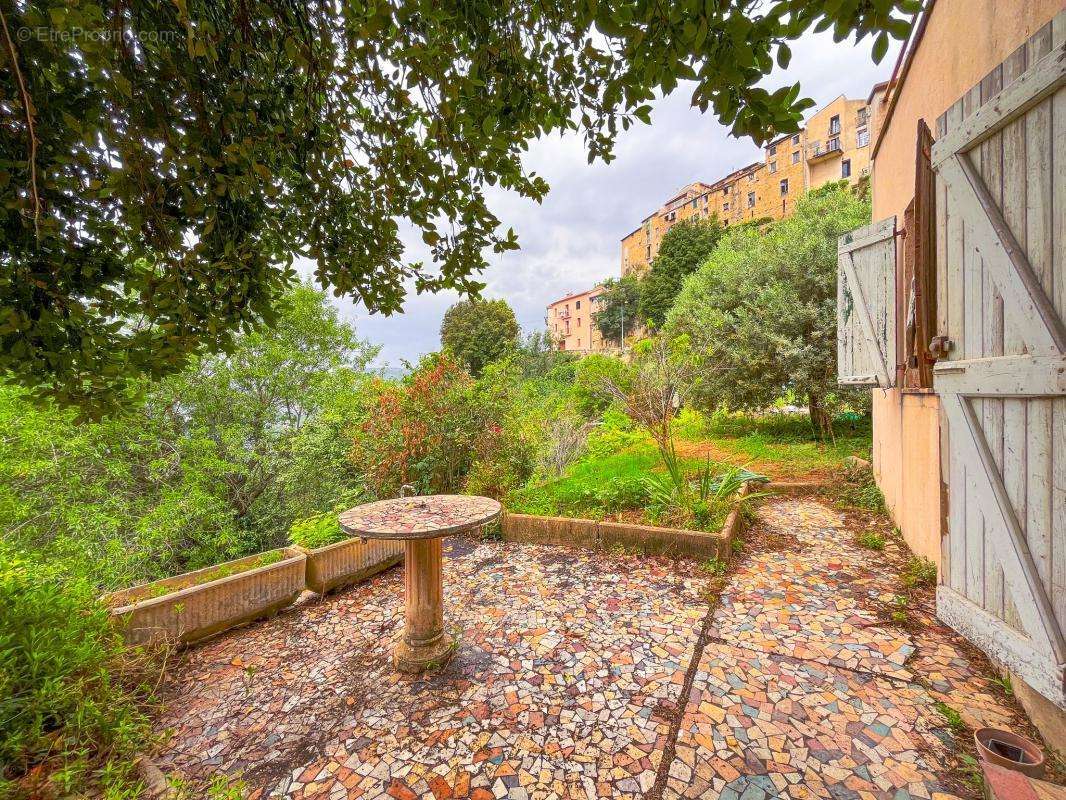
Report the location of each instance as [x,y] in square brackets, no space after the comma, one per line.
[821,421]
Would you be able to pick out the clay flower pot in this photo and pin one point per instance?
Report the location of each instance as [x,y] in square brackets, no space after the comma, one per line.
[1009,750]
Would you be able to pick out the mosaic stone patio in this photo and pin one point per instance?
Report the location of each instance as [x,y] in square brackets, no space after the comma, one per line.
[569,680]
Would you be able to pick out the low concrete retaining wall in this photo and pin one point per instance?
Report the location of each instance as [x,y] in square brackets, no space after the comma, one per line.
[193,611]
[349,561]
[591,533]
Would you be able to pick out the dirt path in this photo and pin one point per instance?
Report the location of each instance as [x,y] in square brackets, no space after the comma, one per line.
[803,691]
[775,469]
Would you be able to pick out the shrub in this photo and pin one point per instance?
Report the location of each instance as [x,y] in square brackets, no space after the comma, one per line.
[70,697]
[317,531]
[503,461]
[622,493]
[858,490]
[615,434]
[589,395]
[690,424]
[421,432]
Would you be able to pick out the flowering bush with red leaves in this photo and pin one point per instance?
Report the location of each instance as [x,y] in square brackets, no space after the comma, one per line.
[423,431]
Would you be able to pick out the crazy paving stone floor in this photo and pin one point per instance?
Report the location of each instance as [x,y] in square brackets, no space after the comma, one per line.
[569,680]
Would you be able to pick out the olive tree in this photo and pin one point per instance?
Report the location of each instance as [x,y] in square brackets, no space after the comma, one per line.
[761,312]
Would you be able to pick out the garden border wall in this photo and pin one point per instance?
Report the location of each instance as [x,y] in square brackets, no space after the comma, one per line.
[349,561]
[594,534]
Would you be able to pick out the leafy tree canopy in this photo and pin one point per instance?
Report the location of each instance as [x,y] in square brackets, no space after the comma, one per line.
[479,332]
[684,247]
[618,305]
[209,464]
[161,164]
[761,312]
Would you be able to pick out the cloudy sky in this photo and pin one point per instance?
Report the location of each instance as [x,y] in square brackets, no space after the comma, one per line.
[571,240]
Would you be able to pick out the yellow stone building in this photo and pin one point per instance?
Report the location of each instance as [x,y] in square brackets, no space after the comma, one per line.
[571,325]
[834,144]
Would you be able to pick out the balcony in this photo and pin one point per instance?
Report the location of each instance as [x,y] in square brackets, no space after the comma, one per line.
[564,314]
[820,151]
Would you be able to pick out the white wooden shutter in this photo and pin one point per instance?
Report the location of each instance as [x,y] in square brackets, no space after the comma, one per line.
[866,305]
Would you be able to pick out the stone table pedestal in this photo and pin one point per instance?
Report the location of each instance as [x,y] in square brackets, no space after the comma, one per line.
[421,522]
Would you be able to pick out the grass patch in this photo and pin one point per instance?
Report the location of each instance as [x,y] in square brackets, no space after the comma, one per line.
[590,488]
[784,445]
[871,540]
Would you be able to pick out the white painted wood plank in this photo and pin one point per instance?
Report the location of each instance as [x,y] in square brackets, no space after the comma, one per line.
[990,164]
[1058,201]
[1024,583]
[943,289]
[1038,195]
[975,538]
[953,272]
[991,167]
[1058,509]
[1001,644]
[861,238]
[1002,376]
[973,302]
[957,501]
[1038,486]
[1013,187]
[1041,80]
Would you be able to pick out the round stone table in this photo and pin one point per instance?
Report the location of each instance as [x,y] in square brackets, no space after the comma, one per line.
[420,522]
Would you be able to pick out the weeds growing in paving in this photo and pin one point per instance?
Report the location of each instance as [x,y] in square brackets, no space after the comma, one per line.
[871,540]
[1004,683]
[951,716]
[919,572]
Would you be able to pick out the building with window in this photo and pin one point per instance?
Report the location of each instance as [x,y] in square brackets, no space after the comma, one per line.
[834,145]
[642,245]
[570,322]
[838,142]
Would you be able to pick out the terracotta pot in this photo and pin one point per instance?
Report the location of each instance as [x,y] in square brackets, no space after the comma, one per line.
[1009,750]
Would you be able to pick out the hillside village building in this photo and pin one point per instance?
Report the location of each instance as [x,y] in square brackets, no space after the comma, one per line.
[834,145]
[570,323]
